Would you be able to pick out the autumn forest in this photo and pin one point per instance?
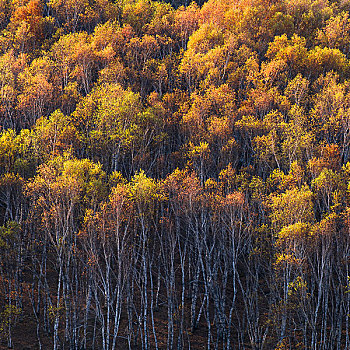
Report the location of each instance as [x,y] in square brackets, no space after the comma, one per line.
[175,175]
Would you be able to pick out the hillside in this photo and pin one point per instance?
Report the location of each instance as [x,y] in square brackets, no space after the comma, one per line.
[175,175]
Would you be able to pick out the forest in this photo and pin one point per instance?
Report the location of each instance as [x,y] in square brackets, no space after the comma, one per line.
[175,175]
